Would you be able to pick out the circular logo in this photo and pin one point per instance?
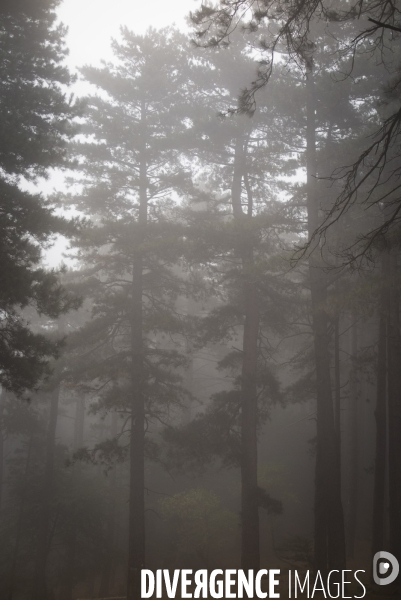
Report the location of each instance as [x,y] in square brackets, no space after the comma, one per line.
[385,568]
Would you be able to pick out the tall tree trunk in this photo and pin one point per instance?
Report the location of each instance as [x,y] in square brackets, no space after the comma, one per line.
[136,549]
[250,545]
[394,407]
[379,493]
[14,562]
[337,393]
[68,588]
[329,520]
[337,334]
[2,404]
[108,565]
[79,425]
[250,557]
[337,383]
[39,591]
[353,463]
[189,382]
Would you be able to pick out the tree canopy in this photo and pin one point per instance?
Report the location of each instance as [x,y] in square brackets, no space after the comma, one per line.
[36,124]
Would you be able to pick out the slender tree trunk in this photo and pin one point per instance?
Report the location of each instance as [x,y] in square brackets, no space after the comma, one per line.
[337,393]
[107,570]
[250,557]
[79,425]
[250,545]
[39,591]
[337,340]
[337,383]
[379,493]
[2,403]
[353,465]
[329,520]
[189,385]
[18,532]
[68,588]
[189,382]
[394,407]
[136,550]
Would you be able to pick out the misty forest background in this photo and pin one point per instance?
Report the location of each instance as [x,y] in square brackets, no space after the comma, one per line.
[213,377]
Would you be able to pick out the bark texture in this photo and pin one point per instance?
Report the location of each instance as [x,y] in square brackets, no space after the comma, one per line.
[2,403]
[353,463]
[71,549]
[379,492]
[39,591]
[329,519]
[16,549]
[250,544]
[106,581]
[136,526]
[394,407]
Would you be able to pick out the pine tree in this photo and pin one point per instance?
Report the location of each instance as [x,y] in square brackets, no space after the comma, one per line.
[236,231]
[36,123]
[132,168]
[370,183]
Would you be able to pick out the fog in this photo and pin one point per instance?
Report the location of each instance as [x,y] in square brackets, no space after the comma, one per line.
[199,302]
[99,21]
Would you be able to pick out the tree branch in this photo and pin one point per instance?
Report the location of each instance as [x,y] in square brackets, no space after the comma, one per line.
[385,25]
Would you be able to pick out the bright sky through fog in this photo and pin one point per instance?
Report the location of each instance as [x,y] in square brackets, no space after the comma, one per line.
[92,23]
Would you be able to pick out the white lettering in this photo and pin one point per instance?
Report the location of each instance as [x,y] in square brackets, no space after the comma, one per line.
[315,588]
[201,583]
[258,581]
[171,588]
[344,582]
[185,582]
[335,584]
[360,583]
[216,593]
[147,575]
[229,583]
[245,584]
[159,593]
[273,582]
[301,587]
